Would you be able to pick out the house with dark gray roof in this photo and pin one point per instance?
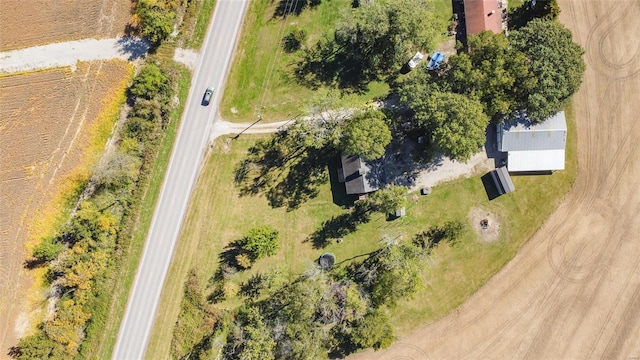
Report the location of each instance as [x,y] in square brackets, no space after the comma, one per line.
[534,146]
[358,176]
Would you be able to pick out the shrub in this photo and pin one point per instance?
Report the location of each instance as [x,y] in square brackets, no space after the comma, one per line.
[230,289]
[47,250]
[293,40]
[149,82]
[261,241]
[244,261]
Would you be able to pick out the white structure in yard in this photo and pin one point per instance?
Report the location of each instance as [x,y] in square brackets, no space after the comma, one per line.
[534,147]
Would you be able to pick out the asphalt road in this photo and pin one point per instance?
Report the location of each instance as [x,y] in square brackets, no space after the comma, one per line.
[184,168]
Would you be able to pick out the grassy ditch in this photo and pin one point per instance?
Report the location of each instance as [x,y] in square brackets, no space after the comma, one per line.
[218,215]
[204,11]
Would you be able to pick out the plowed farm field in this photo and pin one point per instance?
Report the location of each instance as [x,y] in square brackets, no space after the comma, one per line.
[49,122]
[39,22]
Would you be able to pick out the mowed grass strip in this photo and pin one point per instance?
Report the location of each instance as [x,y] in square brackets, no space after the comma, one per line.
[204,12]
[218,215]
[261,73]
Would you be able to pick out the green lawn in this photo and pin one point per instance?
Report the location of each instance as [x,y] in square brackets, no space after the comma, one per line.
[218,215]
[261,77]
[204,9]
[512,4]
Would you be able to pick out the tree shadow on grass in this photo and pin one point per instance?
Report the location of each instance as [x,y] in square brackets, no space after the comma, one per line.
[301,183]
[339,226]
[34,263]
[328,64]
[227,267]
[287,177]
[228,257]
[288,7]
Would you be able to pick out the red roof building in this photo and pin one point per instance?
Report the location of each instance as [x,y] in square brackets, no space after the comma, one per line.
[482,15]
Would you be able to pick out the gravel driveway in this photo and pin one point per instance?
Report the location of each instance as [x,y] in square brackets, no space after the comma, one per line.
[69,53]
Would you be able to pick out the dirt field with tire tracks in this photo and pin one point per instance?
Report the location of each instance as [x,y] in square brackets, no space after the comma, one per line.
[47,122]
[39,22]
[573,291]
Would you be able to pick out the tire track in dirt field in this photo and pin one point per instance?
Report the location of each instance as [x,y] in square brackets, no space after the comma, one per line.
[12,244]
[573,291]
[37,189]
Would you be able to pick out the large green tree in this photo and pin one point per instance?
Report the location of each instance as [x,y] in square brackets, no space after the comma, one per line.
[387,200]
[39,346]
[149,82]
[454,124]
[258,341]
[493,72]
[391,273]
[366,134]
[373,330]
[156,18]
[556,62]
[378,37]
[48,249]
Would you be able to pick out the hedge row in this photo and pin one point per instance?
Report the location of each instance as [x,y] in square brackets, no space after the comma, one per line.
[81,258]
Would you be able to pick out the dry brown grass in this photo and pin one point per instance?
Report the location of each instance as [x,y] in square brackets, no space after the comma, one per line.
[39,22]
[54,125]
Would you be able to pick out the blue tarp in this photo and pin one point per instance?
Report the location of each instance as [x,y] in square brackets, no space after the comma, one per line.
[435,60]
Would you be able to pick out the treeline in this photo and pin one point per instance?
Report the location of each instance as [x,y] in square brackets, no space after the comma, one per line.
[82,258]
[533,71]
[314,315]
[155,18]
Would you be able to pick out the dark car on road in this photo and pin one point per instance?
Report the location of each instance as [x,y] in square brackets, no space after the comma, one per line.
[207,96]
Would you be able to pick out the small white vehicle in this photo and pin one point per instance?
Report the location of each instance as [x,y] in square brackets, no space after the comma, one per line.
[415,60]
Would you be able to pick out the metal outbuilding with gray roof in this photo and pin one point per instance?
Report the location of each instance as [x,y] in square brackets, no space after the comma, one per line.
[534,146]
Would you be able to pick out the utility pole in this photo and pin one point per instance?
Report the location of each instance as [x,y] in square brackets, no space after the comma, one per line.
[248,127]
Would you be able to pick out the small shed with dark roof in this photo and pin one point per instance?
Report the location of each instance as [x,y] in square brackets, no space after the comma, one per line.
[502,180]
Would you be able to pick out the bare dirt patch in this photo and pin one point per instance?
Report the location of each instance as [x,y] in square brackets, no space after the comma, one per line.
[39,22]
[573,291]
[48,121]
[485,224]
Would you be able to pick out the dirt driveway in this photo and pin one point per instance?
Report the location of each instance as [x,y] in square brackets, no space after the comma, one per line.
[573,291]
